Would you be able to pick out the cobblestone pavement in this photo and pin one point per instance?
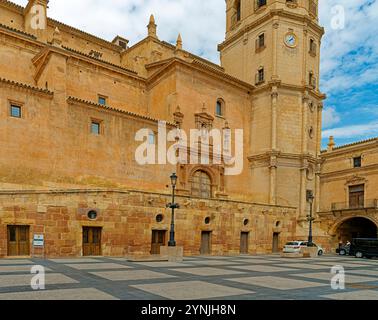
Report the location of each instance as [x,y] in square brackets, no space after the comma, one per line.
[208,278]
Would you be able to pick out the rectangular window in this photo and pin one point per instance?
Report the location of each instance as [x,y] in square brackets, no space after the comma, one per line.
[261,40]
[96,127]
[15,111]
[312,47]
[357,162]
[261,75]
[102,100]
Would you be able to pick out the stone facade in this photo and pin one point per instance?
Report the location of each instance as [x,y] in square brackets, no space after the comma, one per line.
[62,82]
[345,169]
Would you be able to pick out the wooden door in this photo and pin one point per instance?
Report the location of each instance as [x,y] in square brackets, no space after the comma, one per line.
[205,242]
[18,241]
[356,196]
[244,242]
[276,242]
[158,240]
[91,241]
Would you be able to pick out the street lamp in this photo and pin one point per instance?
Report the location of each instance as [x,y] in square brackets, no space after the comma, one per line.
[173,206]
[310,198]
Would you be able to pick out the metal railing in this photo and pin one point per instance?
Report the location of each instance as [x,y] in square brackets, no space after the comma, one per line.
[370,203]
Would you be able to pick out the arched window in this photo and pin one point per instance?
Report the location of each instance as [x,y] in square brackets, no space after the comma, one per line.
[220,108]
[201,184]
[238,10]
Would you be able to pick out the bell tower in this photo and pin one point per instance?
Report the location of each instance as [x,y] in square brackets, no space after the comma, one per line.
[275,46]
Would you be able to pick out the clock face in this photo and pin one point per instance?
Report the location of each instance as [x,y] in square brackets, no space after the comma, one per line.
[291,40]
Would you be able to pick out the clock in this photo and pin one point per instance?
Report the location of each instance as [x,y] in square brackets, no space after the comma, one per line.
[291,40]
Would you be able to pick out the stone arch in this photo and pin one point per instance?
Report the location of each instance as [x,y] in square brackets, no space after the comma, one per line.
[356,226]
[333,229]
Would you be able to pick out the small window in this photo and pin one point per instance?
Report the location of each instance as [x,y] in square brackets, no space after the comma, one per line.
[312,80]
[15,111]
[357,162]
[260,76]
[207,220]
[96,127]
[238,11]
[92,215]
[159,218]
[261,40]
[102,100]
[220,108]
[261,3]
[312,47]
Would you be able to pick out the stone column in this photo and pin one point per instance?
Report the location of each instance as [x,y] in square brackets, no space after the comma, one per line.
[275,48]
[305,123]
[274,118]
[303,189]
[317,188]
[273,180]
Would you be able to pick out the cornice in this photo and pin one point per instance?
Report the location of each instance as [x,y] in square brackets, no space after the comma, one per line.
[87,36]
[344,174]
[74,100]
[305,89]
[282,155]
[197,65]
[23,86]
[273,13]
[19,32]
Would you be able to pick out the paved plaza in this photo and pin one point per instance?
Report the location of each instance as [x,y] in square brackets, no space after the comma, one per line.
[208,278]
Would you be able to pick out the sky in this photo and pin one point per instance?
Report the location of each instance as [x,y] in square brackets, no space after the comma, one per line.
[349,56]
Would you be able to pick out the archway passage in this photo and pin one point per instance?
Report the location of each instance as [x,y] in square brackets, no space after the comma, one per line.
[357,228]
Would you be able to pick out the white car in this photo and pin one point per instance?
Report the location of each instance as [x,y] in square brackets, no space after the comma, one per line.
[296,247]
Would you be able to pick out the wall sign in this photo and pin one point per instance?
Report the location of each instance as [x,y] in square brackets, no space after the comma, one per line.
[38,240]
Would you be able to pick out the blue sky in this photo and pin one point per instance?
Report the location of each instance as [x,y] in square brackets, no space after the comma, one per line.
[349,60]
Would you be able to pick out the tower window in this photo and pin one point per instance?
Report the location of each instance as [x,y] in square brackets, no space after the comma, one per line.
[261,3]
[357,162]
[260,76]
[220,108]
[312,80]
[260,42]
[313,8]
[312,47]
[238,11]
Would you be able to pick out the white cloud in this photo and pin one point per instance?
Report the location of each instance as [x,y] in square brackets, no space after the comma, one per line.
[201,23]
[349,56]
[330,117]
[353,131]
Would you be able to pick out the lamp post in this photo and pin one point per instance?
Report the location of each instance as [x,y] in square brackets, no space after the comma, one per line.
[310,198]
[173,206]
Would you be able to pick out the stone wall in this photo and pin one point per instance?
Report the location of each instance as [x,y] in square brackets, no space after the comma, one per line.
[127,219]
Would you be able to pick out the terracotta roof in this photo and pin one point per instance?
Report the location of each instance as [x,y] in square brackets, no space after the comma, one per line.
[352,144]
[18,31]
[132,114]
[25,86]
[12,5]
